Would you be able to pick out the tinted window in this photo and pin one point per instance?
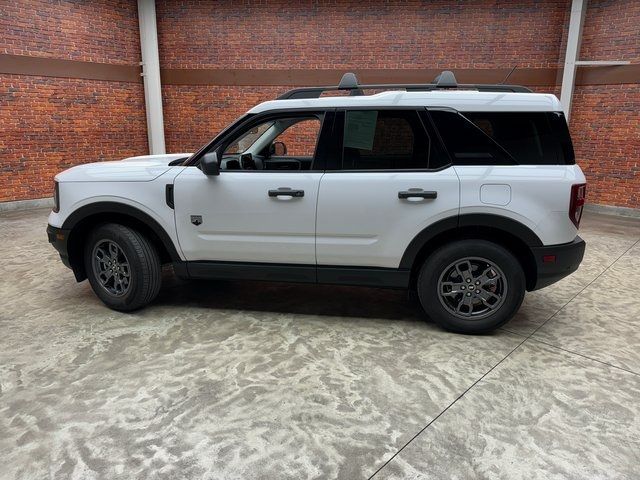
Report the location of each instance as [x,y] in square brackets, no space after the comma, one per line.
[467,143]
[526,136]
[560,130]
[498,138]
[384,140]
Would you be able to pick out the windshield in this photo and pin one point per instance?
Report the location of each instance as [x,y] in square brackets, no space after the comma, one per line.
[196,156]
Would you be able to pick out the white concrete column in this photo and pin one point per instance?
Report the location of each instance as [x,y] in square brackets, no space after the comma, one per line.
[151,75]
[578,10]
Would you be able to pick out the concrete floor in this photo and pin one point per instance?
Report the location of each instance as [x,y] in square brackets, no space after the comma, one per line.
[246,380]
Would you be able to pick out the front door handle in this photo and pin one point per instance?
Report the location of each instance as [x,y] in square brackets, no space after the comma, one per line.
[286,192]
[417,193]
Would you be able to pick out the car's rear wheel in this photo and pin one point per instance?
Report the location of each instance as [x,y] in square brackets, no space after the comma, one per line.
[471,286]
[123,267]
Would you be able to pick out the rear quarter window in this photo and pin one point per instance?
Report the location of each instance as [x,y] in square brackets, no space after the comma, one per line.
[468,143]
[499,138]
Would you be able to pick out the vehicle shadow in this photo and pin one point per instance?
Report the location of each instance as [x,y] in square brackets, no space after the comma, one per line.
[303,299]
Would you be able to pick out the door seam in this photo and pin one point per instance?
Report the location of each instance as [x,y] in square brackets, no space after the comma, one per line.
[315,232]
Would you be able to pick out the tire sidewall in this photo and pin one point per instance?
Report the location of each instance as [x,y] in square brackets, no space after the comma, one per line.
[117,235]
[442,258]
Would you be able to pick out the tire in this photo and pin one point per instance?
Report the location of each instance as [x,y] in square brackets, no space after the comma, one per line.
[133,280]
[482,308]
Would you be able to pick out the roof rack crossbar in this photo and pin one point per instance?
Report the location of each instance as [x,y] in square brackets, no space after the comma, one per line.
[348,81]
[446,80]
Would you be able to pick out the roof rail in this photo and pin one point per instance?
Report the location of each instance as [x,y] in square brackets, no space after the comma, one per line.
[446,80]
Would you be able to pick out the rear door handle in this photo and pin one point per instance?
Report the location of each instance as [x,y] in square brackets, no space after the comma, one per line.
[416,193]
[286,192]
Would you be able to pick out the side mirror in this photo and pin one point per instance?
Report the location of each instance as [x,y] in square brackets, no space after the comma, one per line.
[278,149]
[209,164]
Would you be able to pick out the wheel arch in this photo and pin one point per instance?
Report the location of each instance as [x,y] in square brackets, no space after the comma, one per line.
[83,220]
[504,231]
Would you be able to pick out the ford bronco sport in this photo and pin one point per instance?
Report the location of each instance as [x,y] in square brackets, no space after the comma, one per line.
[467,195]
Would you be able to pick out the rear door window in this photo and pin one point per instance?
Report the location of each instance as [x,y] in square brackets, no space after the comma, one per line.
[388,140]
[384,140]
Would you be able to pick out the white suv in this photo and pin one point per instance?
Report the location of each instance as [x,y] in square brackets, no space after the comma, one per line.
[466,194]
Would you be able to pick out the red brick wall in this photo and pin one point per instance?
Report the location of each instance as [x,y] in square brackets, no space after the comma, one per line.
[98,31]
[347,34]
[605,119]
[343,35]
[49,124]
[605,126]
[611,31]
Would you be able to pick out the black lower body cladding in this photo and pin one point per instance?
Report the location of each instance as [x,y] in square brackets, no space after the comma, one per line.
[554,262]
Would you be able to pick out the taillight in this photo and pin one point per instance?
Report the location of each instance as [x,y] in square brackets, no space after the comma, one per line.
[578,196]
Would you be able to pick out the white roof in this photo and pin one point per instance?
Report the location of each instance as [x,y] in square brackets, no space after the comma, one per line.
[462,100]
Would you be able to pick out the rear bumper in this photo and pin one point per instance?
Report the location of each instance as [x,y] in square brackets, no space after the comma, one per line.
[554,262]
[59,237]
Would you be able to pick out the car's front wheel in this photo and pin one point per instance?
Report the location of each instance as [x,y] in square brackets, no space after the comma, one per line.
[471,286]
[123,267]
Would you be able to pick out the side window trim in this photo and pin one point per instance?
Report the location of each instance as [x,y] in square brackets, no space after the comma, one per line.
[432,131]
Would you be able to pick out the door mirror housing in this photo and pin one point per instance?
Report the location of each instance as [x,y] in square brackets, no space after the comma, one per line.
[279,149]
[209,164]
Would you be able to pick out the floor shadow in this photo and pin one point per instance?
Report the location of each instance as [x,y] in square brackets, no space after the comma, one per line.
[294,298]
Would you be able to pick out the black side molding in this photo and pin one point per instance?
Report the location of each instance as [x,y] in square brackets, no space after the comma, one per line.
[364,276]
[251,271]
[334,275]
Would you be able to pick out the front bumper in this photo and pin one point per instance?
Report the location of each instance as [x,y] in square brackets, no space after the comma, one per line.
[59,238]
[554,262]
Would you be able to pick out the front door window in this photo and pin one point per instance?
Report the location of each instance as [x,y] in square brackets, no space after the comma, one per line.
[287,143]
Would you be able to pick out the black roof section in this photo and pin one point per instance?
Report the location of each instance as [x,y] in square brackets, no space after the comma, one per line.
[445,81]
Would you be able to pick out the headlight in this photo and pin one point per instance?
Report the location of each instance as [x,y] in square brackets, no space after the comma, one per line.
[56,197]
